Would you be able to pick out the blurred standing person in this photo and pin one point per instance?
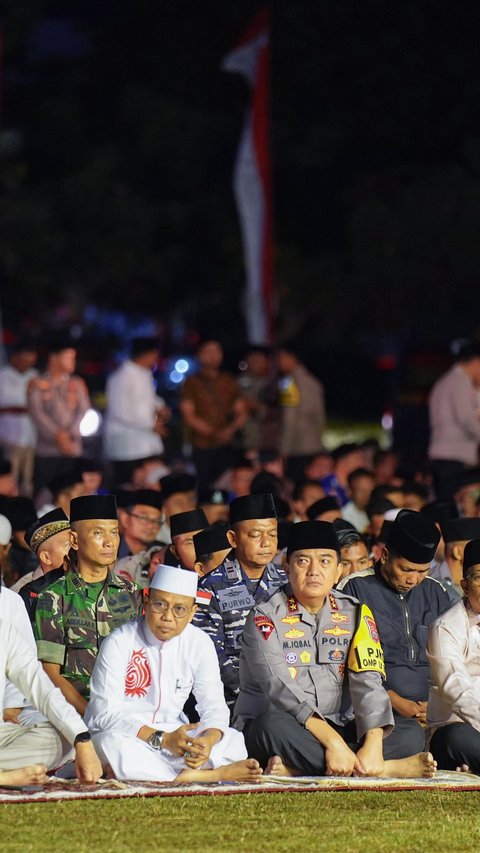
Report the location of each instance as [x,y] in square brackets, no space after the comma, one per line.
[303,417]
[214,410]
[136,416]
[455,421]
[261,430]
[57,402]
[17,433]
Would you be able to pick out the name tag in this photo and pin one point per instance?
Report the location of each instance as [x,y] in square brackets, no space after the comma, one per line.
[235,598]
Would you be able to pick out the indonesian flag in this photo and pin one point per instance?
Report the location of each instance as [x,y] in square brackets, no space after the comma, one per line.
[252,177]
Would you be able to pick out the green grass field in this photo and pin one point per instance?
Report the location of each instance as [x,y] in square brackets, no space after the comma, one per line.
[411,822]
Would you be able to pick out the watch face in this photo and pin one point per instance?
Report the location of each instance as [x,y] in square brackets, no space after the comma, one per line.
[155,740]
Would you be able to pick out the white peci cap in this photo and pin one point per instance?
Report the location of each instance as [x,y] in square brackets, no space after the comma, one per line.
[177,581]
[5,530]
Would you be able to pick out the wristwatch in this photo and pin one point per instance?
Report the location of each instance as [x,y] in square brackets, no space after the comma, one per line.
[83,737]
[156,739]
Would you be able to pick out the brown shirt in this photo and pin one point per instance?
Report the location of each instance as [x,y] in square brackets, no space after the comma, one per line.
[213,399]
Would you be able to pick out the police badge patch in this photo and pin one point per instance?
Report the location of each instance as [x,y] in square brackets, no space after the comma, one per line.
[264,625]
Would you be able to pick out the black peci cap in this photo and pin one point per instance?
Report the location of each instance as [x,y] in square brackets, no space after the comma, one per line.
[413,537]
[327,504]
[211,539]
[471,556]
[252,506]
[89,507]
[312,534]
[186,522]
[460,529]
[48,525]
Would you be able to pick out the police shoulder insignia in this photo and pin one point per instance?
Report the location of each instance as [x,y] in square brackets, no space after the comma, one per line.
[332,601]
[292,604]
[264,625]
[366,653]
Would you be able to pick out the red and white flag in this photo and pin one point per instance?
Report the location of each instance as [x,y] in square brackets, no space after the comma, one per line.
[252,177]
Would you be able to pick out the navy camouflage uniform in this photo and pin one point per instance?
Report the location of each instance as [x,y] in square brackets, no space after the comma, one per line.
[232,597]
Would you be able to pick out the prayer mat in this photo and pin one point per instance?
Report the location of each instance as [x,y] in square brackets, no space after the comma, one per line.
[71,789]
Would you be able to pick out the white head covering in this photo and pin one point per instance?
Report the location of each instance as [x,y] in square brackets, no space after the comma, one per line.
[178,581]
[5,530]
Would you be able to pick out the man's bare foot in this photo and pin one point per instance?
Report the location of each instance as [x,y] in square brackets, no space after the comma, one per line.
[464,768]
[276,767]
[420,766]
[248,770]
[33,774]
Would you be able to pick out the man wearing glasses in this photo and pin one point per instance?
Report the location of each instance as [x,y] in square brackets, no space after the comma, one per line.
[144,674]
[140,515]
[80,609]
[454,655]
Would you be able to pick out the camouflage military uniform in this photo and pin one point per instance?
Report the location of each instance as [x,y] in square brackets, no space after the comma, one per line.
[73,618]
[232,595]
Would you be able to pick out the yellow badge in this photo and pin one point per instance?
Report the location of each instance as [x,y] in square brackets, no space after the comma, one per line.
[291,620]
[294,634]
[305,657]
[339,617]
[337,632]
[293,671]
[366,653]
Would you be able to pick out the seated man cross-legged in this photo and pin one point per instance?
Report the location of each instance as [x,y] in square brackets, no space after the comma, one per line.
[143,676]
[454,656]
[311,698]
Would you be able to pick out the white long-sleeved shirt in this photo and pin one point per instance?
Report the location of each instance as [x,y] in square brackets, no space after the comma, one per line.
[132,405]
[13,610]
[454,418]
[18,662]
[453,652]
[141,681]
[16,429]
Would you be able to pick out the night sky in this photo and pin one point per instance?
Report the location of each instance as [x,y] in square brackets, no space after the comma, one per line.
[119,133]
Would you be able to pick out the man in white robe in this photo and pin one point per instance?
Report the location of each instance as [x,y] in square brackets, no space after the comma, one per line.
[27,751]
[142,678]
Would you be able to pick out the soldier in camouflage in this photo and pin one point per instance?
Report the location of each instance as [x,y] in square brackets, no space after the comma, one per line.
[246,578]
[79,610]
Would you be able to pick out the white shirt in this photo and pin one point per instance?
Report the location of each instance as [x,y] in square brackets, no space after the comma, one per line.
[132,405]
[19,664]
[453,652]
[454,418]
[13,610]
[16,429]
[141,681]
[355,516]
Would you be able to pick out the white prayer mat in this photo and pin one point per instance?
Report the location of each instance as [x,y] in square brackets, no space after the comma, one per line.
[71,789]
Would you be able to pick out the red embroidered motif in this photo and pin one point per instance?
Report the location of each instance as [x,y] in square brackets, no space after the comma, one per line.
[138,677]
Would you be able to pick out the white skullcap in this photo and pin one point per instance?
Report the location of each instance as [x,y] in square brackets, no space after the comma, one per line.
[391,514]
[178,581]
[5,530]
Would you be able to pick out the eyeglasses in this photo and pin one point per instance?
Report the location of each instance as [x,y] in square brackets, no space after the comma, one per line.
[147,519]
[179,610]
[475,579]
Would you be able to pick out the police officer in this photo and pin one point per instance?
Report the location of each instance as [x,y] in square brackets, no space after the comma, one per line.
[404,601]
[311,696]
[245,578]
[84,606]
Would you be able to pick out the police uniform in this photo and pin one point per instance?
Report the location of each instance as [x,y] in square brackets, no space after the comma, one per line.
[229,596]
[294,665]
